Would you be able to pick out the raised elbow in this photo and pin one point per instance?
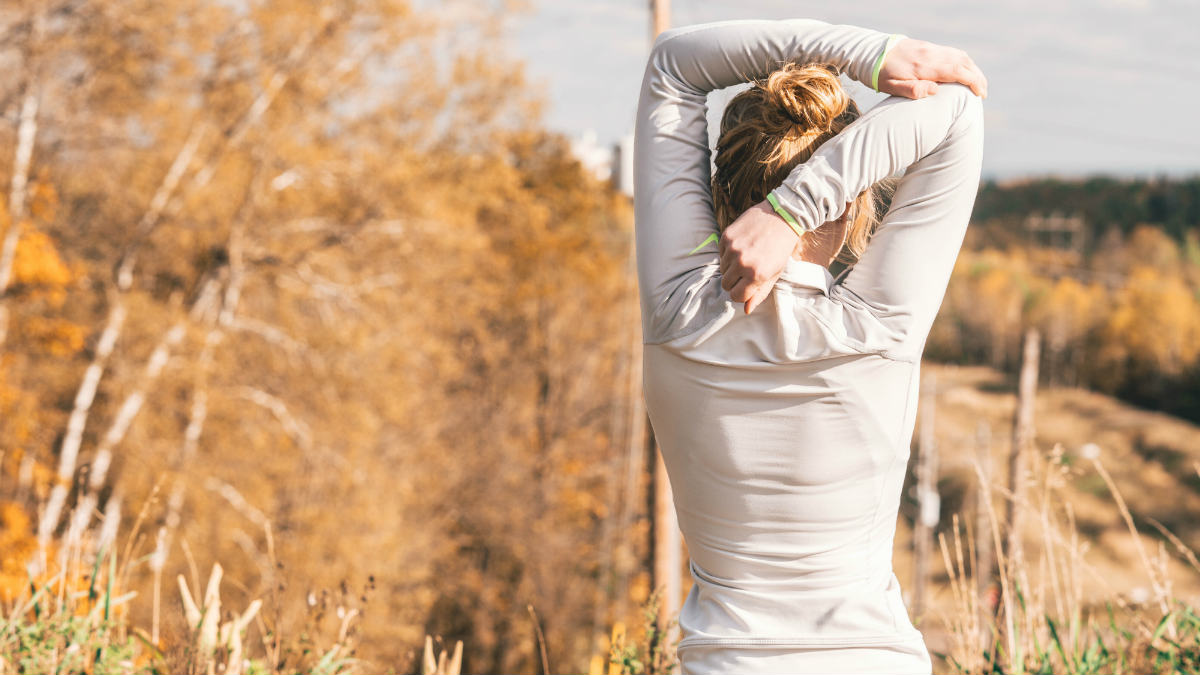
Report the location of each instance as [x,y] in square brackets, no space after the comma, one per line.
[968,111]
[664,38]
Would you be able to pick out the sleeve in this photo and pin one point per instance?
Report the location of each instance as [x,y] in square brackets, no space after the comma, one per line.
[673,205]
[937,142]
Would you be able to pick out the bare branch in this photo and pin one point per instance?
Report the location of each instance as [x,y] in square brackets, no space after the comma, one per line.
[233,135]
[237,501]
[237,131]
[124,419]
[295,428]
[214,336]
[158,203]
[270,333]
[84,397]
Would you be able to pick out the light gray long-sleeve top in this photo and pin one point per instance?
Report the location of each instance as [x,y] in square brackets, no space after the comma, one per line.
[786,432]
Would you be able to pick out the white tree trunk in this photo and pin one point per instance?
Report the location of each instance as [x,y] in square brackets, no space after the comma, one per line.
[84,397]
[158,204]
[120,426]
[27,127]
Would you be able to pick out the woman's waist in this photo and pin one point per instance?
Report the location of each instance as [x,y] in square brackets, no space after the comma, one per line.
[835,563]
[760,579]
[857,611]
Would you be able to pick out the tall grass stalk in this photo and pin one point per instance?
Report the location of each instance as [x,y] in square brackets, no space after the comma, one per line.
[1043,623]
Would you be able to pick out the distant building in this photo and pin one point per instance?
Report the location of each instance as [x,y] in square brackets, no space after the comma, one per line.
[594,157]
[622,154]
[612,163]
[1055,230]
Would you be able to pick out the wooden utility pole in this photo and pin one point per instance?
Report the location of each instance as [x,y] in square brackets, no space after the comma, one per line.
[662,15]
[667,540]
[1022,440]
[667,544]
[928,500]
[636,442]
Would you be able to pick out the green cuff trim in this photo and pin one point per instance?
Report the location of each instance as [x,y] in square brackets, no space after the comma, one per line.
[891,42]
[787,217]
[712,239]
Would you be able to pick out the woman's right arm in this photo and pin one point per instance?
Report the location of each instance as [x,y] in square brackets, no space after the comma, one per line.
[901,278]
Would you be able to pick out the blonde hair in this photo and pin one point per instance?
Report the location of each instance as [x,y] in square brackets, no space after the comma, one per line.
[776,124]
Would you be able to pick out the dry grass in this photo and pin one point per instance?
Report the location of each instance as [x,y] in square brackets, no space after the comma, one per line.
[73,617]
[1105,579]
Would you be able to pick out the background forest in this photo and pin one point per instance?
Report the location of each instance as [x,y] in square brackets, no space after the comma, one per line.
[306,289]
[1108,270]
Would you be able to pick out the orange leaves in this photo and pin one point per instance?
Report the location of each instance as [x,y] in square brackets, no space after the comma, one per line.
[17,544]
[1128,318]
[1150,246]
[981,316]
[43,200]
[38,262]
[1068,310]
[1154,322]
[42,279]
[420,312]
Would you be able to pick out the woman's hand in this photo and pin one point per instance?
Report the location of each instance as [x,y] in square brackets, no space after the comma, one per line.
[754,250]
[914,67]
[755,247]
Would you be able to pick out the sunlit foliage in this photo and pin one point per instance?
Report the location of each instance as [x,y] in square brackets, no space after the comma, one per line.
[364,313]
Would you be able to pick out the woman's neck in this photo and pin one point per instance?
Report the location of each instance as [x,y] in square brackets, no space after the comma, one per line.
[821,246]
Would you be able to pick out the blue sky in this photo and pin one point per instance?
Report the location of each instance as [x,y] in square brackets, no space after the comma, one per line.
[1076,87]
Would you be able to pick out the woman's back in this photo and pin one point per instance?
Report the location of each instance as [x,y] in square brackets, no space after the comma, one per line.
[786,431]
[786,471]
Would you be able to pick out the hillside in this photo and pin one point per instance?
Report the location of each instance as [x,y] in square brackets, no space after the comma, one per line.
[1151,457]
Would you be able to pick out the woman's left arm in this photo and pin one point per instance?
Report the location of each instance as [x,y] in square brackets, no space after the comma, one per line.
[755,247]
[673,204]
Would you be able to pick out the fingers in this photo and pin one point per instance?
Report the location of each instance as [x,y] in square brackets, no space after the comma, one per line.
[966,72]
[909,88]
[732,270]
[980,86]
[743,284]
[922,88]
[959,67]
[924,61]
[762,293]
[753,252]
[730,279]
[742,291]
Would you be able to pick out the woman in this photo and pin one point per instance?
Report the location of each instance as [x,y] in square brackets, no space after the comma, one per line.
[785,429]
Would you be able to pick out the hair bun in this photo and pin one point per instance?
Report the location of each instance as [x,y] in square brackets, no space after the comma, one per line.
[770,128]
[811,95]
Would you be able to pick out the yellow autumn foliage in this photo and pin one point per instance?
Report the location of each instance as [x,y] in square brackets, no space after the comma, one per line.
[1127,319]
[38,262]
[17,545]
[1154,322]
